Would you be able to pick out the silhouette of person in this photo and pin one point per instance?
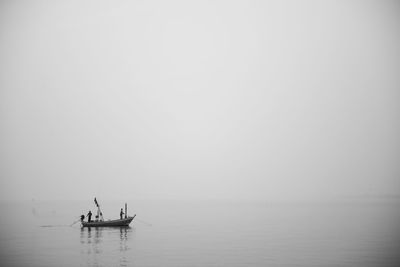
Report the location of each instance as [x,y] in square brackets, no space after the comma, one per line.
[89,216]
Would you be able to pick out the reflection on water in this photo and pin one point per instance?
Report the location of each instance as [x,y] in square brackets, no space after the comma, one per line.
[123,245]
[100,244]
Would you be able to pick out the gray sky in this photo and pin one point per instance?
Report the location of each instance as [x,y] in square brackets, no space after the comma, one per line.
[199,99]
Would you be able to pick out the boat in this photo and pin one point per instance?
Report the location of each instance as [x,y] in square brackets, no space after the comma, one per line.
[99,222]
[109,223]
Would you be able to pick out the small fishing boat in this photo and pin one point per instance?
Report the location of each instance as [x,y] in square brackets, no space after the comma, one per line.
[99,222]
[118,222]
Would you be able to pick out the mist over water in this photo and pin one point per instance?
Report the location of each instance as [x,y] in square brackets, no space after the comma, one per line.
[205,233]
[250,133]
[199,100]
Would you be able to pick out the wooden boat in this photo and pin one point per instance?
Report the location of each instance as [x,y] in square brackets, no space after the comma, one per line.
[109,223]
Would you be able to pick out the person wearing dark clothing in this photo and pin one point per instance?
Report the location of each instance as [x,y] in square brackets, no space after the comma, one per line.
[121,213]
[89,216]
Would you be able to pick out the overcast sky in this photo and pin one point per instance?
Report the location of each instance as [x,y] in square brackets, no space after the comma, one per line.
[199,99]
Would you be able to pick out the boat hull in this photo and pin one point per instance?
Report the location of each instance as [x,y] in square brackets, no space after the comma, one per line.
[109,223]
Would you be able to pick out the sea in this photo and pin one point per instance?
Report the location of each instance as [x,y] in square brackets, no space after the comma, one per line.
[350,232]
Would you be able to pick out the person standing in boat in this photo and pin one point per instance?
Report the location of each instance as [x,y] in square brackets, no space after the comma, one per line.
[89,216]
[121,213]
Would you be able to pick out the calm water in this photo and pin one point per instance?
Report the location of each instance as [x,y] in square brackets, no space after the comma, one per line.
[172,233]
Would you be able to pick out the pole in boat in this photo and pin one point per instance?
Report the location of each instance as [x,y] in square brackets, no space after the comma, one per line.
[126,210]
[98,209]
[75,222]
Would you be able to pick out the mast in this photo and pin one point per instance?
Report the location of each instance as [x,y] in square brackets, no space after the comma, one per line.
[126,210]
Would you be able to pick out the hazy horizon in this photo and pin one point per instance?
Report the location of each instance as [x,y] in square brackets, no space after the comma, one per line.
[199,100]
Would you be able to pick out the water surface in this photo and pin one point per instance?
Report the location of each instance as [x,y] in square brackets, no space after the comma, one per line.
[204,233]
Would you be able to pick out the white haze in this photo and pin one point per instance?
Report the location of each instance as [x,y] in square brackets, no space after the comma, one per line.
[199,99]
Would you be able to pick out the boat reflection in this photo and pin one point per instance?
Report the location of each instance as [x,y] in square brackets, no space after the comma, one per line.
[123,245]
[99,243]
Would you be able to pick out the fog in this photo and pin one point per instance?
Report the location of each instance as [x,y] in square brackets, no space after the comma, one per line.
[199,99]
